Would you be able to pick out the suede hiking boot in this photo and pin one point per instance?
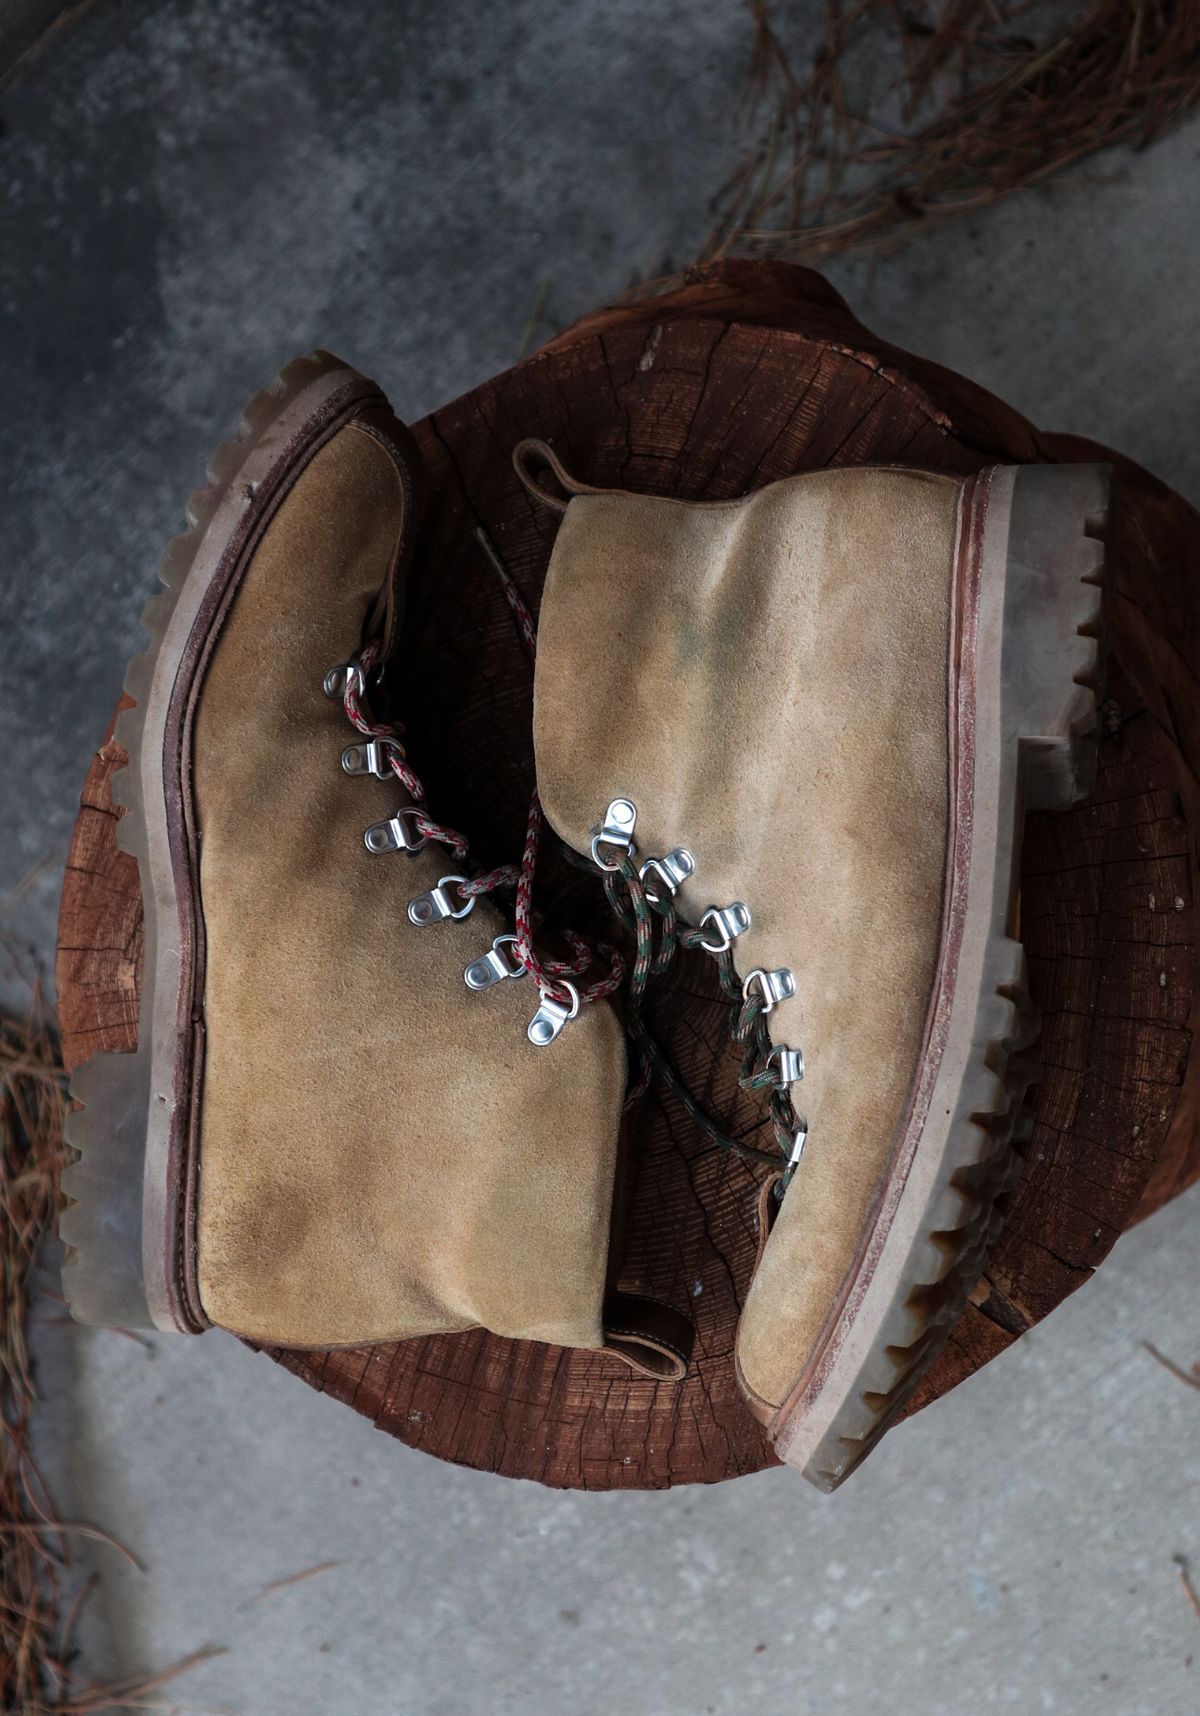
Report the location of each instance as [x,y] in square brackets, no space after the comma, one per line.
[344,1122]
[811,721]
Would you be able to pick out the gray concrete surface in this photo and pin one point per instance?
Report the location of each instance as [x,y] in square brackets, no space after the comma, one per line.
[193,191]
[1008,1550]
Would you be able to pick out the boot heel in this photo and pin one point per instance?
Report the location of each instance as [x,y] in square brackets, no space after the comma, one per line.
[1058,567]
[100,1223]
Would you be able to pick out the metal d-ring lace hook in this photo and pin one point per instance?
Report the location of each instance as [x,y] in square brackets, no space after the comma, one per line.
[774,986]
[494,966]
[669,872]
[616,831]
[371,757]
[726,924]
[435,907]
[338,678]
[552,1015]
[400,833]
[788,1064]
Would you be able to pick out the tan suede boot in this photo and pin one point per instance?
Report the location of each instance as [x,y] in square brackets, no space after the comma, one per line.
[327,1136]
[829,706]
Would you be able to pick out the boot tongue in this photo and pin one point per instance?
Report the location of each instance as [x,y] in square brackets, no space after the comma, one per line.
[387,613]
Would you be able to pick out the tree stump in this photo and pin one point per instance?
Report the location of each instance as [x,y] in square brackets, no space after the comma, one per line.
[747,373]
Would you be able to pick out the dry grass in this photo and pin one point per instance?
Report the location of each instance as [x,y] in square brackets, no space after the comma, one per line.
[1189,1587]
[34,1636]
[910,115]
[1192,1377]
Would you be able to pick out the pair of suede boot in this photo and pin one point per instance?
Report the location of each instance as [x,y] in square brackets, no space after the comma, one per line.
[796,733]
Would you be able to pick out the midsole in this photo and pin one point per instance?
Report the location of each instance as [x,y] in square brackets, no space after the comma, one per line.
[171,1025]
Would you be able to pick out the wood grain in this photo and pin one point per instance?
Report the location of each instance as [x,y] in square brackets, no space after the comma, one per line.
[749,373]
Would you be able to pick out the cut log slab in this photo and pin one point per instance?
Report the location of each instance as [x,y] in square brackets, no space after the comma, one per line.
[748,373]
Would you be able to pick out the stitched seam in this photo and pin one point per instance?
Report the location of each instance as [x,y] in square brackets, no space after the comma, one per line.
[652,1341]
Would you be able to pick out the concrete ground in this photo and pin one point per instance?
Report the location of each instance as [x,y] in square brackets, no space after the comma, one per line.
[194,191]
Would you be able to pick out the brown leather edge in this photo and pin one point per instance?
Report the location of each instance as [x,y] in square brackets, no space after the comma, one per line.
[651,1338]
[532,451]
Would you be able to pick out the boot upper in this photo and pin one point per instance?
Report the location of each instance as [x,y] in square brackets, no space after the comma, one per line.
[766,680]
[382,1153]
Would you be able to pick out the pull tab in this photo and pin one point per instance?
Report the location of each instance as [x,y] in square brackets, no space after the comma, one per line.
[532,453]
[400,833]
[672,871]
[788,1064]
[548,1022]
[493,966]
[799,1140]
[726,923]
[435,906]
[372,758]
[775,986]
[620,819]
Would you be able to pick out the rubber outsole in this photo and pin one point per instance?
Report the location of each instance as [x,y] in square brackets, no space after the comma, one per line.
[119,1195]
[1038,685]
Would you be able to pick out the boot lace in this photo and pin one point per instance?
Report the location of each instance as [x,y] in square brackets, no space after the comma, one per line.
[648,916]
[413,826]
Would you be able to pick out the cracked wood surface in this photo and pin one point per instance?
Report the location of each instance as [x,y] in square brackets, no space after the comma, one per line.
[749,373]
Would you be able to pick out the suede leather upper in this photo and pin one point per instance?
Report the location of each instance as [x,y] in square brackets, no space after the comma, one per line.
[766,680]
[382,1152]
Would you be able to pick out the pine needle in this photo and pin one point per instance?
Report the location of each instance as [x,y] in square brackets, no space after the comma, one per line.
[973,106]
[1192,1378]
[37,1676]
[289,1579]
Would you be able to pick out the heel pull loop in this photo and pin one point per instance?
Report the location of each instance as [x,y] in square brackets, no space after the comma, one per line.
[653,1339]
[531,457]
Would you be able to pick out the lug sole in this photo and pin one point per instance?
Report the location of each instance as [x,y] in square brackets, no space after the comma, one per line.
[120,1222]
[1038,661]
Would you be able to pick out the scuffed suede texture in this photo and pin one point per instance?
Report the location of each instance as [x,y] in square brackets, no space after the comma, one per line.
[383,1154]
[767,680]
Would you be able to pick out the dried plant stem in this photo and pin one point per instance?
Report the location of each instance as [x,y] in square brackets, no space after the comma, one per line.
[36,1637]
[32,1106]
[1189,1588]
[970,111]
[1192,1379]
